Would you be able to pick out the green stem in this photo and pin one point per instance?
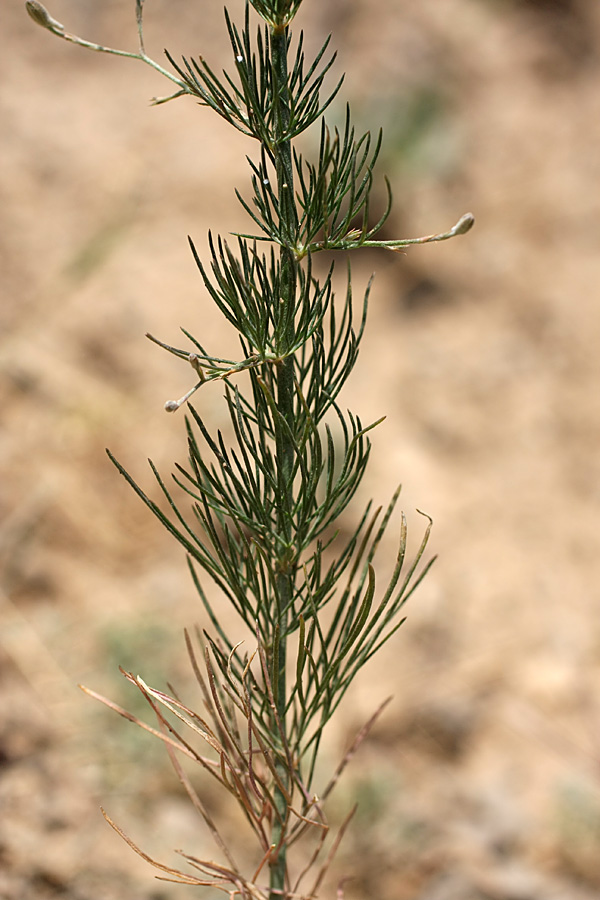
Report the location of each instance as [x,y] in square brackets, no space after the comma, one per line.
[285,450]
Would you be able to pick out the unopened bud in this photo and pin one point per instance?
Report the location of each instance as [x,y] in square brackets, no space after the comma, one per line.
[464,224]
[41,15]
[173,405]
[194,361]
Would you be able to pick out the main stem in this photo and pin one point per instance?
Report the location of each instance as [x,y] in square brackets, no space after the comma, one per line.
[286,563]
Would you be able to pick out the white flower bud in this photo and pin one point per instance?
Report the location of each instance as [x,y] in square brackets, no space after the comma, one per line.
[464,224]
[41,15]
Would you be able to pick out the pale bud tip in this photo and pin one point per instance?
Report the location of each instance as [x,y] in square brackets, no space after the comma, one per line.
[41,15]
[195,363]
[171,406]
[464,224]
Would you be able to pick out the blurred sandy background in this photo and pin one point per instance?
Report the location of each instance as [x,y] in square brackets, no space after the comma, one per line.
[482,781]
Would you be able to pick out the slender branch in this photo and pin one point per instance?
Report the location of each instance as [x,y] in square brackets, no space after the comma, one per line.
[42,17]
[464,224]
[354,241]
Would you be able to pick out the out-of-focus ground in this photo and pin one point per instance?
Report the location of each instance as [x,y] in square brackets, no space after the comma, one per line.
[482,781]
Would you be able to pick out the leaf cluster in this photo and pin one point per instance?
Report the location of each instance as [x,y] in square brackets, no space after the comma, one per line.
[250,103]
[246,522]
[333,195]
[278,13]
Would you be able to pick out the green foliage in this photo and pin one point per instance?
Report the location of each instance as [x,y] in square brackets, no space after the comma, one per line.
[257,512]
[252,106]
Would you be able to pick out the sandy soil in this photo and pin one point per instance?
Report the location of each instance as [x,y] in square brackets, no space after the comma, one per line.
[482,781]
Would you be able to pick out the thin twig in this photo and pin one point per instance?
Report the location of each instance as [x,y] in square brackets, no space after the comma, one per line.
[360,737]
[332,852]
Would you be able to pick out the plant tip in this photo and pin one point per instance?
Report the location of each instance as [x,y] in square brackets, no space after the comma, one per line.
[464,224]
[41,15]
[195,364]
